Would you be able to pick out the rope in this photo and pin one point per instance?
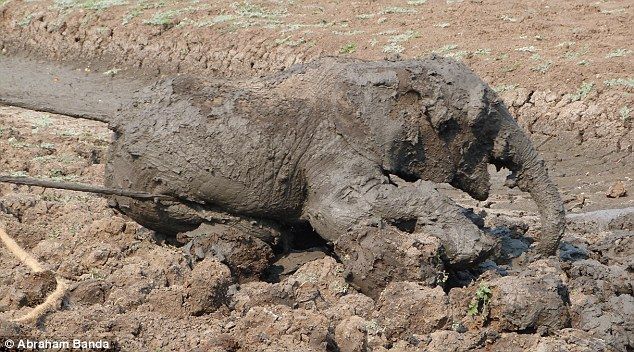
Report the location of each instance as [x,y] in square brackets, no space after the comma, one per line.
[36,267]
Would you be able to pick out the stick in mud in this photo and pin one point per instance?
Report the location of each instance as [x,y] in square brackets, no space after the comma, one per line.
[80,187]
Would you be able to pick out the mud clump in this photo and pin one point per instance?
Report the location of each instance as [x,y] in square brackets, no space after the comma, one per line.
[207,287]
[29,290]
[269,327]
[247,256]
[351,335]
[617,190]
[377,257]
[406,308]
[88,292]
[529,304]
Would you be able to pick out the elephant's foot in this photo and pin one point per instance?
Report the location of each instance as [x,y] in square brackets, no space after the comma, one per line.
[375,256]
[420,204]
[465,243]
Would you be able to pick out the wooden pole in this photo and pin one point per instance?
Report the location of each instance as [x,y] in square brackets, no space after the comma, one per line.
[81,187]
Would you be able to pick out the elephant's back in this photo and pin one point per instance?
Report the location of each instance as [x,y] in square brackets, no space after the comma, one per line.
[236,146]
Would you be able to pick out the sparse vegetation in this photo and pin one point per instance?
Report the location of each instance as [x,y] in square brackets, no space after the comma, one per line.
[393,48]
[625,82]
[542,68]
[527,49]
[111,72]
[442,278]
[583,91]
[618,53]
[480,303]
[57,173]
[18,174]
[398,10]
[18,144]
[290,42]
[88,4]
[248,10]
[404,37]
[624,113]
[613,11]
[42,121]
[96,274]
[26,20]
[373,327]
[394,45]
[216,20]
[348,48]
[163,18]
[482,52]
[348,33]
[47,146]
[574,55]
[130,15]
[445,49]
[449,50]
[504,88]
[511,67]
[566,45]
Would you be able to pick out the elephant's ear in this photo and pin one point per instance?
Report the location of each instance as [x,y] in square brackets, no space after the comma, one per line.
[364,98]
[454,94]
[478,106]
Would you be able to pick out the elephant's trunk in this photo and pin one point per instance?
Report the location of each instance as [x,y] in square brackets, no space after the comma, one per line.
[514,150]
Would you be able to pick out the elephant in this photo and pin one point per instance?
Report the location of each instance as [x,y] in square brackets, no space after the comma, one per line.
[347,145]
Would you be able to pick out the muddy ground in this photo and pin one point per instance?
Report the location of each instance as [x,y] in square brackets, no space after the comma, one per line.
[564,68]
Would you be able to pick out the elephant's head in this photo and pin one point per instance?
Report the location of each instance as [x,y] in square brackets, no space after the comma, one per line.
[446,125]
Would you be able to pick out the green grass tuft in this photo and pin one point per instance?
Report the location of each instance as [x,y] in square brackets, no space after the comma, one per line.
[618,53]
[89,4]
[398,10]
[163,18]
[480,303]
[584,90]
[542,68]
[348,48]
[625,82]
[625,112]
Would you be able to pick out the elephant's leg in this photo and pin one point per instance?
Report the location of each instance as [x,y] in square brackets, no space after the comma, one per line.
[437,215]
[358,209]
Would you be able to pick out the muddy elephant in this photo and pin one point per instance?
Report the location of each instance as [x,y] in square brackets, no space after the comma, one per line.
[350,146]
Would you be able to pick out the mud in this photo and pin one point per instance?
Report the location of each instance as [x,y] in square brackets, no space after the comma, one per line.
[129,286]
[133,286]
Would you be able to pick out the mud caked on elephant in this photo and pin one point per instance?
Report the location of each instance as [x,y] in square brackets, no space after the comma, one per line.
[352,147]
